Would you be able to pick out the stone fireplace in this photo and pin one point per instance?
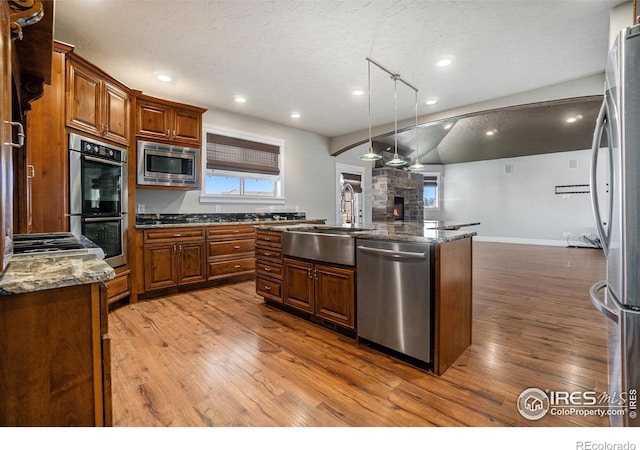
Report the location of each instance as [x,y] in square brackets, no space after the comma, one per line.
[397,195]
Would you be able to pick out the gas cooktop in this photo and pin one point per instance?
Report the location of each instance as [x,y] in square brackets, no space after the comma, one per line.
[59,244]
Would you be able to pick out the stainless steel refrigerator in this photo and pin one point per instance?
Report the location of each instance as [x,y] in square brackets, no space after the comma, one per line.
[616,205]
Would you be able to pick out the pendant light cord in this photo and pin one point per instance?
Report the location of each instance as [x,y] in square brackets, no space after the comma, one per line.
[395,98]
[369,84]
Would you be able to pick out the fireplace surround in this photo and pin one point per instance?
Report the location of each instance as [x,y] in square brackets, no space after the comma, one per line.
[389,186]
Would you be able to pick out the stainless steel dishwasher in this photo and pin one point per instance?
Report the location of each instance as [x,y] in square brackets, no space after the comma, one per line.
[395,296]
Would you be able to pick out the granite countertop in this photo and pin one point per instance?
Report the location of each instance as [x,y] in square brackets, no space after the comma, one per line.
[389,231]
[39,273]
[160,224]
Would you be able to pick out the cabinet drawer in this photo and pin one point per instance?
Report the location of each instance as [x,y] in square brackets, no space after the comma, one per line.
[269,238]
[230,248]
[269,270]
[219,269]
[269,289]
[173,234]
[230,231]
[269,254]
[118,287]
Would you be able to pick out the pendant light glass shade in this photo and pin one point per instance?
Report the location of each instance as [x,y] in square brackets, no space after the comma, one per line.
[396,161]
[370,155]
[417,166]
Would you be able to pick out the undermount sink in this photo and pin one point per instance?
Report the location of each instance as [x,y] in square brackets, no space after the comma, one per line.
[332,245]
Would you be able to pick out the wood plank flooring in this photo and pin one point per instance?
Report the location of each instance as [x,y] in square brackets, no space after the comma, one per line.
[222,357]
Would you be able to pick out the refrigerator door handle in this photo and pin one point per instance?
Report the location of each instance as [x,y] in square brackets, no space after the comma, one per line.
[599,303]
[597,137]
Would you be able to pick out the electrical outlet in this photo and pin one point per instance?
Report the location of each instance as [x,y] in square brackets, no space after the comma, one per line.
[566,234]
[141,208]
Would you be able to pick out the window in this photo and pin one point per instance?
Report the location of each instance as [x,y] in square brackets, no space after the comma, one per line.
[241,167]
[430,194]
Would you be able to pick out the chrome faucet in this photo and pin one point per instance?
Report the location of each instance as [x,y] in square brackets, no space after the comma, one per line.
[347,187]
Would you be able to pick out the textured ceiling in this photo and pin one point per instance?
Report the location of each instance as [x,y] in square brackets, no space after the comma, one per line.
[307,56]
[517,131]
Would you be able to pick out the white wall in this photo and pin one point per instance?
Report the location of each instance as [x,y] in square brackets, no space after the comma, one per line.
[521,206]
[309,174]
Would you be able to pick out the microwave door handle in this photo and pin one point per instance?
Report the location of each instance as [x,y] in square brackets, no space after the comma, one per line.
[103,161]
[102,219]
[597,137]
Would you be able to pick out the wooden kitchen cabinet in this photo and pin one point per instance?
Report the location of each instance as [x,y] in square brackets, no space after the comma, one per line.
[326,291]
[6,157]
[230,251]
[96,103]
[269,271]
[170,122]
[55,360]
[174,257]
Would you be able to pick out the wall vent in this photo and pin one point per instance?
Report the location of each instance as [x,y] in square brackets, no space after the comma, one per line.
[573,164]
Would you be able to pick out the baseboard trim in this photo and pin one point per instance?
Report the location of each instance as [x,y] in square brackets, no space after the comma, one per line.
[525,241]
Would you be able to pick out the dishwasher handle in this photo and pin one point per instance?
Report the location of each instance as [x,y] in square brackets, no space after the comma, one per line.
[397,254]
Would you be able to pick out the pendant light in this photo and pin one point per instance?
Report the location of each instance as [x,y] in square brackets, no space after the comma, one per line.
[417,166]
[370,155]
[396,161]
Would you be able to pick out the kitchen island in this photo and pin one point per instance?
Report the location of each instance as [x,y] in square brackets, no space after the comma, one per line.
[324,288]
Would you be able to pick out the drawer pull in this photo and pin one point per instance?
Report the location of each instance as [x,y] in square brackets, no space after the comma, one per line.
[267,288]
[237,266]
[177,235]
[267,239]
[236,247]
[267,254]
[267,269]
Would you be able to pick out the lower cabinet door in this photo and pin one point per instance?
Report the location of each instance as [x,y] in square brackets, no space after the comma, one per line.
[335,294]
[192,262]
[298,284]
[160,266]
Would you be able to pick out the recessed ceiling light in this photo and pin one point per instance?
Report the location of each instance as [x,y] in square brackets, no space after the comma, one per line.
[491,132]
[164,77]
[295,115]
[574,119]
[431,101]
[358,92]
[240,99]
[444,62]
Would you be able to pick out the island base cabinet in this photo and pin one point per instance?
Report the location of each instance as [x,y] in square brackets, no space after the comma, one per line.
[170,265]
[327,292]
[55,358]
[335,294]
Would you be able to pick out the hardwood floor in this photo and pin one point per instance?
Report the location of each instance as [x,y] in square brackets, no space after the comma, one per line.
[222,357]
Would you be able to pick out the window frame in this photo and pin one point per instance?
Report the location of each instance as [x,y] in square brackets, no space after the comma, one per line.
[438,177]
[277,199]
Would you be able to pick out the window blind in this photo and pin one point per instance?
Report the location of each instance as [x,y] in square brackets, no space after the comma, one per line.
[430,181]
[354,179]
[241,155]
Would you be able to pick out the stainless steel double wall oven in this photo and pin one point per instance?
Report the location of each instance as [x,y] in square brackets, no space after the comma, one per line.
[98,195]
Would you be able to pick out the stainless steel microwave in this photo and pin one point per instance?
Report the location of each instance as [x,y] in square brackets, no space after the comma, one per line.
[168,165]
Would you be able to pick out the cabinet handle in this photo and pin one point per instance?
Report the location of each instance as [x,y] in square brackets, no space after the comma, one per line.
[237,266]
[174,248]
[315,274]
[177,235]
[267,269]
[236,247]
[20,134]
[267,254]
[179,248]
[309,273]
[31,171]
[267,288]
[267,239]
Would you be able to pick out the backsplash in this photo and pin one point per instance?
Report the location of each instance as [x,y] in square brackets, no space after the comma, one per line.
[153,219]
